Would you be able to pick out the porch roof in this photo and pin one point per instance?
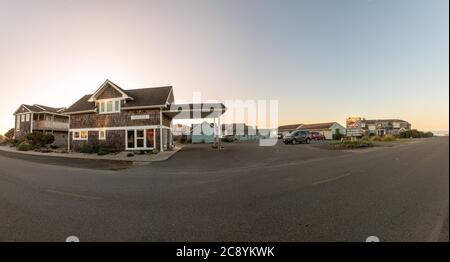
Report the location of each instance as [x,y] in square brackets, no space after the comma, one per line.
[195,111]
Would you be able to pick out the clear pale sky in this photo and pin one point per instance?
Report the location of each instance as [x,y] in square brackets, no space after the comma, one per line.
[323,60]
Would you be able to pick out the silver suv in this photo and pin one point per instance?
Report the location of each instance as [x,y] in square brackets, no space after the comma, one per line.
[298,136]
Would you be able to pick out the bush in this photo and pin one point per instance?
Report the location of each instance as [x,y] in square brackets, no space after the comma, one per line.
[24,146]
[130,155]
[40,139]
[414,133]
[337,135]
[386,138]
[86,148]
[102,152]
[349,144]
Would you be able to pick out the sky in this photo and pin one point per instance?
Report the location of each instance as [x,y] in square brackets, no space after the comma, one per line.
[323,60]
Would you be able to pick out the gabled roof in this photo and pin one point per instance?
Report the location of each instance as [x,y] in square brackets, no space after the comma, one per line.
[289,127]
[373,121]
[327,125]
[41,109]
[143,97]
[106,84]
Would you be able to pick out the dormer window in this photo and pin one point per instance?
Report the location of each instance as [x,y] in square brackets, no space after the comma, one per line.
[109,106]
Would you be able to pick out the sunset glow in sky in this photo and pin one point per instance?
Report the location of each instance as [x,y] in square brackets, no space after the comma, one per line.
[322,60]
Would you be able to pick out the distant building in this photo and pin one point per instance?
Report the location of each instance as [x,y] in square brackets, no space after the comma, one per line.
[202,133]
[179,129]
[326,129]
[286,129]
[240,131]
[43,119]
[380,127]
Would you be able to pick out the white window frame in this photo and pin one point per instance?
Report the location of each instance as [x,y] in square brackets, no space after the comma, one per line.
[136,138]
[79,135]
[27,117]
[22,118]
[18,123]
[104,134]
[103,105]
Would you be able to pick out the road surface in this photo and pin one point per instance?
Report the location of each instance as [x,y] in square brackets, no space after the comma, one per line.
[242,193]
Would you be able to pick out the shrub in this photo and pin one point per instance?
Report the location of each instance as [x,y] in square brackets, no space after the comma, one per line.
[48,139]
[376,138]
[130,155]
[102,152]
[349,144]
[40,139]
[414,133]
[337,135]
[24,146]
[86,148]
[389,138]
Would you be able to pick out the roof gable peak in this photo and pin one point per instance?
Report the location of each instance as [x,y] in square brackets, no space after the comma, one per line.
[106,84]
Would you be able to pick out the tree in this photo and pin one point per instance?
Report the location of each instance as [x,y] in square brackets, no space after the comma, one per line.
[10,134]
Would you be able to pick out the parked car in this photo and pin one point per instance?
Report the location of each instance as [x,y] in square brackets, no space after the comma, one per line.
[317,136]
[228,138]
[280,136]
[299,136]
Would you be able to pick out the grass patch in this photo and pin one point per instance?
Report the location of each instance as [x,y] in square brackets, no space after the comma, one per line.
[359,143]
[386,138]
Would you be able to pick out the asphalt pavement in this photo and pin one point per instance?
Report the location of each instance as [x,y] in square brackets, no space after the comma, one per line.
[242,193]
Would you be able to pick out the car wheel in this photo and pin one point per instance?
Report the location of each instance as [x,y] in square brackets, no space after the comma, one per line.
[294,141]
[307,141]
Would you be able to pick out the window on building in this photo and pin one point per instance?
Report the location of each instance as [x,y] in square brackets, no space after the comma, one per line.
[22,118]
[102,134]
[84,134]
[27,117]
[80,135]
[109,106]
[130,138]
[17,123]
[140,138]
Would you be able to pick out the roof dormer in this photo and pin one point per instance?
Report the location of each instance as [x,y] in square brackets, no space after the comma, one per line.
[109,90]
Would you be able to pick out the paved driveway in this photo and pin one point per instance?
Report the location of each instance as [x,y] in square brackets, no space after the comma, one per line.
[242,193]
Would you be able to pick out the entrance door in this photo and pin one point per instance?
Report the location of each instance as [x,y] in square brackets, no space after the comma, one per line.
[150,135]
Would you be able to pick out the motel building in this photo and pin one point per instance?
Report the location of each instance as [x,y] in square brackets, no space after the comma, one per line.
[132,119]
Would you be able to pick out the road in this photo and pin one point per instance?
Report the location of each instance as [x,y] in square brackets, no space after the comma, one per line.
[242,193]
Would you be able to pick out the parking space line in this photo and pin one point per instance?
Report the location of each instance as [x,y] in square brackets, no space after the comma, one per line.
[331,179]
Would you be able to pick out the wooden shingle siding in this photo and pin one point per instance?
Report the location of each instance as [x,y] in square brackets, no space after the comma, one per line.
[166,120]
[122,119]
[115,140]
[109,92]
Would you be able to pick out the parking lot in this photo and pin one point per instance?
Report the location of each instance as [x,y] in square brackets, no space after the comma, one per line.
[241,193]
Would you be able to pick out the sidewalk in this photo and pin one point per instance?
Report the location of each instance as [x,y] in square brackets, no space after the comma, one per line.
[122,156]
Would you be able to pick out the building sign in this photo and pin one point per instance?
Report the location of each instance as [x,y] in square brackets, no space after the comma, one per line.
[354,122]
[354,126]
[140,117]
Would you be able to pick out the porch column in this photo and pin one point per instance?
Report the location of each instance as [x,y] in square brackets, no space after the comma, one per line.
[31,123]
[161,148]
[219,132]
